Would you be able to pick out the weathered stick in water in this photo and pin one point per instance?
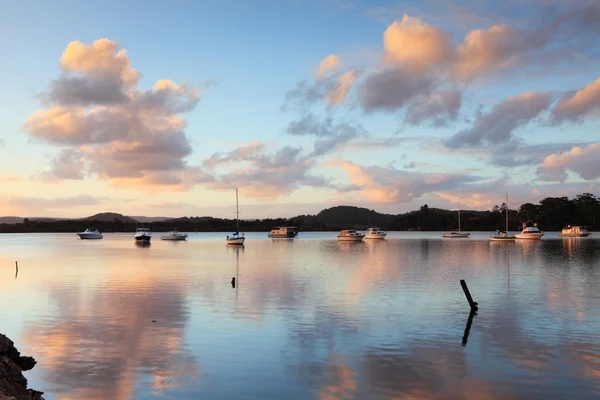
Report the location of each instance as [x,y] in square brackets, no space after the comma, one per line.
[17,269]
[472,303]
[233,282]
[468,327]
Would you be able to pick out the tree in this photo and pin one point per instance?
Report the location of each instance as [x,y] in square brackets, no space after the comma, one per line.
[528,211]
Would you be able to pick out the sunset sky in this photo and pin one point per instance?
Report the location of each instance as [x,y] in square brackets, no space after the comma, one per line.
[163,109]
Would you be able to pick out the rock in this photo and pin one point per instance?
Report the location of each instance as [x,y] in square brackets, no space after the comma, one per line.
[13,385]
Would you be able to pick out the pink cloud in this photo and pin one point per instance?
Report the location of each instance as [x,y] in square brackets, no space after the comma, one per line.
[583,102]
[581,160]
[327,65]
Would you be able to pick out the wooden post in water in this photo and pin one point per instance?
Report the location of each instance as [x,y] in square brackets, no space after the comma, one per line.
[472,303]
[17,269]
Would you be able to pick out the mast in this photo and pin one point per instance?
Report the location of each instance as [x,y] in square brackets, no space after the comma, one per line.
[459,216]
[237,212]
[506,214]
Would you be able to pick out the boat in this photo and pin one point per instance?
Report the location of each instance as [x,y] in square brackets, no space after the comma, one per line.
[285,232]
[504,236]
[458,234]
[574,231]
[530,232]
[350,236]
[235,237]
[375,233]
[174,235]
[90,233]
[142,235]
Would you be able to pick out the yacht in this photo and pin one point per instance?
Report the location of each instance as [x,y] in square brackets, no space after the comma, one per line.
[235,237]
[504,236]
[143,235]
[458,234]
[174,235]
[530,232]
[288,232]
[574,231]
[350,236]
[375,233]
[91,233]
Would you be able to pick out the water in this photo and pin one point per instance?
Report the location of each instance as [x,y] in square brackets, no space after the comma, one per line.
[310,318]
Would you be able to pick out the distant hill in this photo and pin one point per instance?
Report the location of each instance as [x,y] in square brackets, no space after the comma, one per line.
[110,217]
[349,216]
[11,220]
[150,219]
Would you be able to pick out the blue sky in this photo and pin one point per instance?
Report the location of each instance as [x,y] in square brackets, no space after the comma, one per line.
[241,60]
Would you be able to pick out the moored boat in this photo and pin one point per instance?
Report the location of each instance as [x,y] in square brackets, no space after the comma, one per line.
[574,231]
[375,233]
[142,235]
[456,234]
[504,236]
[174,235]
[90,233]
[236,237]
[530,232]
[350,236]
[284,232]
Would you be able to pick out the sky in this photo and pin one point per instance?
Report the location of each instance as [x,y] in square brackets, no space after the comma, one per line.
[163,109]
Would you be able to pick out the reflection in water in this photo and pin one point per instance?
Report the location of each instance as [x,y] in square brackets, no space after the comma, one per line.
[307,318]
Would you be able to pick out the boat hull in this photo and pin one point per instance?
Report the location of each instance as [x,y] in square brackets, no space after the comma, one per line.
[375,236]
[176,238]
[573,234]
[143,238]
[456,235]
[529,236]
[350,238]
[236,241]
[282,236]
[90,235]
[506,239]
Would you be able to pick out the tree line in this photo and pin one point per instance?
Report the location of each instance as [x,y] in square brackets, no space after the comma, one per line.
[551,214]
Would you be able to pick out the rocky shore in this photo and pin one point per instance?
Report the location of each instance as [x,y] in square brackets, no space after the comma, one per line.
[13,385]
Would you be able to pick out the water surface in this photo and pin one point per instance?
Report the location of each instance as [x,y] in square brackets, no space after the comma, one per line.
[309,318]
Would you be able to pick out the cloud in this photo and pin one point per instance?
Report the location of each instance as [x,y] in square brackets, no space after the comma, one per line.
[576,105]
[581,160]
[416,46]
[496,127]
[102,58]
[496,48]
[258,173]
[67,164]
[438,107]
[392,88]
[390,185]
[338,91]
[328,64]
[109,128]
[330,136]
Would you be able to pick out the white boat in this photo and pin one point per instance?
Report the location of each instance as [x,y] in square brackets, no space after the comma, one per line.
[375,233]
[235,237]
[284,232]
[458,234]
[174,235]
[504,236]
[350,236]
[142,235]
[530,232]
[574,231]
[91,233]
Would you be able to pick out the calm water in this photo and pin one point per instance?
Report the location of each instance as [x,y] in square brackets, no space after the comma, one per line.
[310,318]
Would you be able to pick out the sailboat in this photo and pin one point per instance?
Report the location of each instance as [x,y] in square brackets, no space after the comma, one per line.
[503,236]
[236,237]
[457,234]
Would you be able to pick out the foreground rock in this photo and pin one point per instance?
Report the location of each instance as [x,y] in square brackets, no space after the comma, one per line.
[13,385]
